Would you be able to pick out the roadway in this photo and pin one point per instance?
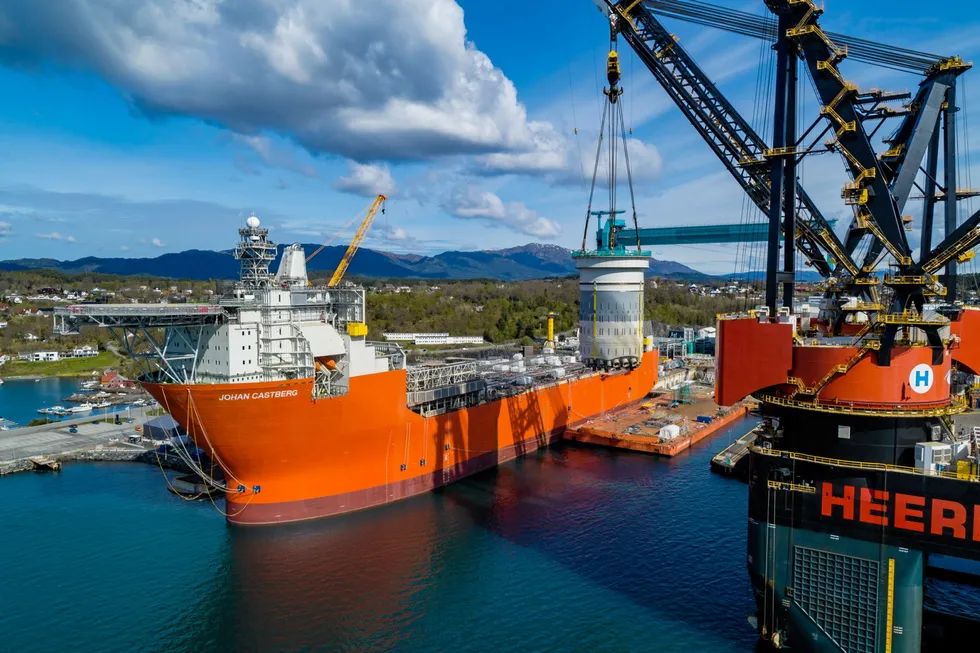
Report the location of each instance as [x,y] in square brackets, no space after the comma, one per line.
[52,439]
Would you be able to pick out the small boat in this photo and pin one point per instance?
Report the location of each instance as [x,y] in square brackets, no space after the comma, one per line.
[37,380]
[54,410]
[104,404]
[1,381]
[81,408]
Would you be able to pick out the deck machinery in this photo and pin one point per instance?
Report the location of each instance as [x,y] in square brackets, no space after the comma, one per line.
[858,476]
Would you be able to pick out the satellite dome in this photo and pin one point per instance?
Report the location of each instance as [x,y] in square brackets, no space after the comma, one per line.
[253,222]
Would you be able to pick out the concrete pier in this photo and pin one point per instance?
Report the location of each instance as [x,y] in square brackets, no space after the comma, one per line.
[19,445]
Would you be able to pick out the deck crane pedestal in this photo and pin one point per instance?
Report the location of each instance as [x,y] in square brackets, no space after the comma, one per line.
[863,475]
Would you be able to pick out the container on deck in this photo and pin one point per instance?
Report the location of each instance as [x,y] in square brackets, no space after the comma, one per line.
[670,431]
[705,419]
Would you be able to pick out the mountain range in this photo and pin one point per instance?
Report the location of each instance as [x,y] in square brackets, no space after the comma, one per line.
[531,261]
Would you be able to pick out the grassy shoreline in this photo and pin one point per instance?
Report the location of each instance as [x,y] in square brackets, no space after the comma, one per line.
[18,369]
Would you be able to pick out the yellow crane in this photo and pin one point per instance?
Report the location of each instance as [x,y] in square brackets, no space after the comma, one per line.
[355,242]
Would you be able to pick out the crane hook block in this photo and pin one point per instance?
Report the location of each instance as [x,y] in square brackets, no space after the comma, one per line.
[612,68]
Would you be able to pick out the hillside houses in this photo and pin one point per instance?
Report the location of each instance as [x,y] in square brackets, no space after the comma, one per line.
[50,356]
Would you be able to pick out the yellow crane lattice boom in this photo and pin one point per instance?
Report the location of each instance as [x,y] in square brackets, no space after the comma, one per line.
[356,241]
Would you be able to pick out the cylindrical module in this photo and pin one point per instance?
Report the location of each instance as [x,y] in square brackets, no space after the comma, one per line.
[611,308]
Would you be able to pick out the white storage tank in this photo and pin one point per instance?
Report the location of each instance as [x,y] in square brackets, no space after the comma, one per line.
[517,357]
[611,308]
[557,372]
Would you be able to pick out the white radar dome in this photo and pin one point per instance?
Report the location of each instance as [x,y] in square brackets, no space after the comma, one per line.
[253,222]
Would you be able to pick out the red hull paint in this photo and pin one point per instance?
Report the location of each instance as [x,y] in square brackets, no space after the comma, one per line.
[751,355]
[754,356]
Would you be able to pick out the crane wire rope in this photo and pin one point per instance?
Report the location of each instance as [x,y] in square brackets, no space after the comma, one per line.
[578,143]
[335,236]
[749,24]
[595,170]
[744,250]
[763,120]
[629,178]
[966,172]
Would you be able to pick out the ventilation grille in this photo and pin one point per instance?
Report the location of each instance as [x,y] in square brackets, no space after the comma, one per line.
[840,594]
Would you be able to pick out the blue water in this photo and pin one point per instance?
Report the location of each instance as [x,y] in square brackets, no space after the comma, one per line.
[567,549]
[20,399]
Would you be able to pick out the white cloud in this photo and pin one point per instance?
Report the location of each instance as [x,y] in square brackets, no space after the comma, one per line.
[124,248]
[562,162]
[272,155]
[6,229]
[156,242]
[396,233]
[468,202]
[387,79]
[366,180]
[54,235]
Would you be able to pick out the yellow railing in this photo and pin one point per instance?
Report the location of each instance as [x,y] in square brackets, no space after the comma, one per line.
[909,280]
[856,464]
[841,368]
[957,405]
[953,251]
[792,487]
[866,221]
[910,318]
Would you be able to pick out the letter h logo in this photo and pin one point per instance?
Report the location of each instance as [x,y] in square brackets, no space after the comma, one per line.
[921,378]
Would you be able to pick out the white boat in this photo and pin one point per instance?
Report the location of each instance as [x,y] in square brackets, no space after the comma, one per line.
[54,410]
[104,404]
[1,381]
[81,408]
[37,380]
[90,384]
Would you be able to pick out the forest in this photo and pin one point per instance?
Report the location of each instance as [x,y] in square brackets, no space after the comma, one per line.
[497,311]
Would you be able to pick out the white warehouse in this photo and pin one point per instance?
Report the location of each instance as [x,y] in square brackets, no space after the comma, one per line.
[434,339]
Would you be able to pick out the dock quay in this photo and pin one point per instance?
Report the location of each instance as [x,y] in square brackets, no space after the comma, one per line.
[733,460]
[45,464]
[658,426]
[33,447]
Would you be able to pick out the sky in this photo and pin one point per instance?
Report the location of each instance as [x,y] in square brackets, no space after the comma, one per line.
[138,127]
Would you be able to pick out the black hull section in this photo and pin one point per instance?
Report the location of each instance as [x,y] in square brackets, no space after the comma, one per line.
[839,543]
[882,440]
[926,513]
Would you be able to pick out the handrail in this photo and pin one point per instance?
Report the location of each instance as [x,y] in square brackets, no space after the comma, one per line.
[857,464]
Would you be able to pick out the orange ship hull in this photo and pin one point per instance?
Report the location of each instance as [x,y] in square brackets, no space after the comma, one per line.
[299,459]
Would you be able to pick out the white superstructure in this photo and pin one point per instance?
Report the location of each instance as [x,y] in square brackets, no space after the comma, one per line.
[264,327]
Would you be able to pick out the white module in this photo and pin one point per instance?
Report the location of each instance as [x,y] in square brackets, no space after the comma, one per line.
[611,309]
